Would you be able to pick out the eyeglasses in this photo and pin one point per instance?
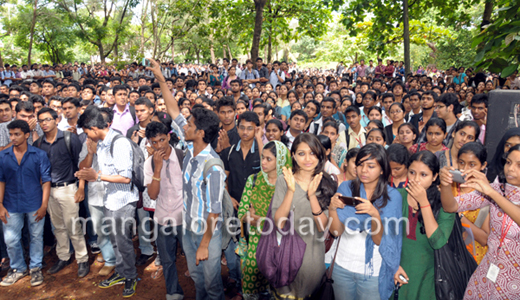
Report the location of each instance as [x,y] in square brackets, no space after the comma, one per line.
[249,128]
[46,120]
[396,112]
[439,107]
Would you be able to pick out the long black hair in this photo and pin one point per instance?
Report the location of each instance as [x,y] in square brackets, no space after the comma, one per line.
[327,186]
[502,175]
[278,123]
[496,165]
[432,193]
[377,152]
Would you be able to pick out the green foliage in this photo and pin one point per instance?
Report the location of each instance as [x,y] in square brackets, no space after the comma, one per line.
[456,50]
[499,43]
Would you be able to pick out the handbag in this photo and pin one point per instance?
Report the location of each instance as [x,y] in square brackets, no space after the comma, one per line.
[279,263]
[454,266]
[326,290]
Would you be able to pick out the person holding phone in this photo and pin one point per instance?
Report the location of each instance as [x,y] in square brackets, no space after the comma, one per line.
[497,276]
[368,253]
[472,156]
[428,228]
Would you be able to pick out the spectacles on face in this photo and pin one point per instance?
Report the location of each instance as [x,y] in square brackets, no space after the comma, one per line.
[439,106]
[249,128]
[395,112]
[46,120]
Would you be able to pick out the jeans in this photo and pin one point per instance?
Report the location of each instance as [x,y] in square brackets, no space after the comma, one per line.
[85,212]
[13,235]
[144,232]
[208,282]
[3,247]
[233,261]
[167,245]
[121,231]
[354,286]
[103,238]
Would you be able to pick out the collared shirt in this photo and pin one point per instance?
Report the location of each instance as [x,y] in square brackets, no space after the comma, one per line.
[63,164]
[263,72]
[361,71]
[273,79]
[23,190]
[201,199]
[291,138]
[364,118]
[76,76]
[169,202]
[45,73]
[96,190]
[117,195]
[123,120]
[63,125]
[356,140]
[7,74]
[239,168]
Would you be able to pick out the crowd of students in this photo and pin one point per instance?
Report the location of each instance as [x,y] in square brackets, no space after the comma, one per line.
[205,144]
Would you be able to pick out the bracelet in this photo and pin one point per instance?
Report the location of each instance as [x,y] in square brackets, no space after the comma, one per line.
[321,211]
[425,206]
[156,179]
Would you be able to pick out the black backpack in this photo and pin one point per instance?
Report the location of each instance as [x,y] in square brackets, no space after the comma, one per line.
[137,163]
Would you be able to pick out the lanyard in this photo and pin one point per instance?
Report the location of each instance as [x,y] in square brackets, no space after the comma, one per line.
[504,232]
[392,182]
[451,162]
[359,141]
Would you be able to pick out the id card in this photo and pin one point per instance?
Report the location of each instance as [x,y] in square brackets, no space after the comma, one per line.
[492,273]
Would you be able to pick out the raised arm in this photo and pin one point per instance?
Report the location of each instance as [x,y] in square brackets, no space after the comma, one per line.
[171,105]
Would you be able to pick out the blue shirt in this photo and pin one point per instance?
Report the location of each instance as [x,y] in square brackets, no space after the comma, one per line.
[23,191]
[201,199]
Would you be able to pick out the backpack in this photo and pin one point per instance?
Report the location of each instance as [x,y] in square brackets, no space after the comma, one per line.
[66,137]
[137,163]
[228,211]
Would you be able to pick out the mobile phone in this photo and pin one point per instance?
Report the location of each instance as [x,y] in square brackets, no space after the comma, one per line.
[402,278]
[146,62]
[457,176]
[350,201]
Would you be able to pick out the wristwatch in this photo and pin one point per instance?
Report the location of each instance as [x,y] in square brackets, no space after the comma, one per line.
[98,178]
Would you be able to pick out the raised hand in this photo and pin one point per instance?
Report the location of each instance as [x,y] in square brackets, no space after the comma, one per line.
[289,179]
[315,183]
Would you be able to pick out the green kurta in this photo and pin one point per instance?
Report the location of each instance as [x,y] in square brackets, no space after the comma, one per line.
[417,257]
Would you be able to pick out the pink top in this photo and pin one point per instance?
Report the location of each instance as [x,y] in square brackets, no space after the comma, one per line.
[169,201]
[507,258]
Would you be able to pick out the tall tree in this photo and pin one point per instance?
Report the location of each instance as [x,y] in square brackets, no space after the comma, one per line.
[100,22]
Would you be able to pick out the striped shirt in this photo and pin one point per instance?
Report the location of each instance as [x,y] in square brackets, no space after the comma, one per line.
[201,199]
[116,195]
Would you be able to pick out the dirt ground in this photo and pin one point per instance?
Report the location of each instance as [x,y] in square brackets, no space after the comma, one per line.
[66,284]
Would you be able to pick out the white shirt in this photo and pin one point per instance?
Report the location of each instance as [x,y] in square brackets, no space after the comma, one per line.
[351,253]
[63,125]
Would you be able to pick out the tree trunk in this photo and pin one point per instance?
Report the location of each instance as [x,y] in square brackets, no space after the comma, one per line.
[270,46]
[31,38]
[259,15]
[143,20]
[229,51]
[406,37]
[265,52]
[1,59]
[486,16]
[212,48]
[223,51]
[173,49]
[101,52]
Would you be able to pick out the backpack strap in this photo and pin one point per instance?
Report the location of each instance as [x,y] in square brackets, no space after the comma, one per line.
[118,136]
[180,156]
[209,164]
[132,112]
[39,141]
[66,137]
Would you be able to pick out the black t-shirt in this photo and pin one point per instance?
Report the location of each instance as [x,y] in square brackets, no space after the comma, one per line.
[232,135]
[240,169]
